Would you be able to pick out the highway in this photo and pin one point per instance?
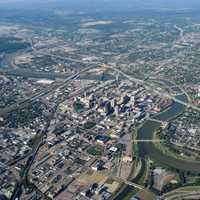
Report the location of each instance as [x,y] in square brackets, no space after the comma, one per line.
[25,170]
[24,173]
[98,64]
[138,81]
[30,74]
[63,84]
[42,93]
[148,86]
[183,193]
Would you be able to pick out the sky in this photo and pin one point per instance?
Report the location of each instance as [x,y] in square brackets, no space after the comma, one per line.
[105,4]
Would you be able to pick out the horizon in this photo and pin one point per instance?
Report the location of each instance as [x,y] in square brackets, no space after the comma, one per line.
[104,4]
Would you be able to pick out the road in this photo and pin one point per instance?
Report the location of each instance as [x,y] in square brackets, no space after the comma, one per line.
[138,81]
[128,183]
[24,173]
[30,74]
[190,192]
[42,93]
[148,86]
[155,120]
[63,84]
[153,141]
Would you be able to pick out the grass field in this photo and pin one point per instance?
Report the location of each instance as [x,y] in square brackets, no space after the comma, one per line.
[92,177]
[146,195]
[95,151]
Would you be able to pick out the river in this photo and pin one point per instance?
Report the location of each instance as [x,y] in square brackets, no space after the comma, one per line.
[146,132]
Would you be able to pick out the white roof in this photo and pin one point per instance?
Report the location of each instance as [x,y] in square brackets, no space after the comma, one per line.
[114,149]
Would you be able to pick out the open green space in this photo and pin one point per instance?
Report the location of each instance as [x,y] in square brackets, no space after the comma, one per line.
[89,125]
[94,150]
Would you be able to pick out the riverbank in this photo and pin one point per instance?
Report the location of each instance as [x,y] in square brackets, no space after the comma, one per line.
[146,132]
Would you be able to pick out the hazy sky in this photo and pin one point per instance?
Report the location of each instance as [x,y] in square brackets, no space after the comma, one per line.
[108,4]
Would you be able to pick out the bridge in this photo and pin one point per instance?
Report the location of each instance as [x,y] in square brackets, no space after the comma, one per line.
[156,120]
[147,85]
[147,141]
[121,180]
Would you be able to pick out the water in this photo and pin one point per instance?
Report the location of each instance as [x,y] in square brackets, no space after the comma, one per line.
[146,132]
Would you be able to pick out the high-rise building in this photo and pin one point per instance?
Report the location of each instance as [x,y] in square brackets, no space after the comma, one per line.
[113,102]
[108,108]
[116,110]
[125,99]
